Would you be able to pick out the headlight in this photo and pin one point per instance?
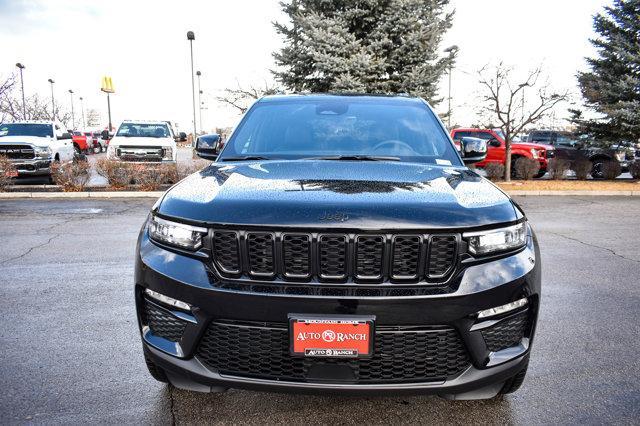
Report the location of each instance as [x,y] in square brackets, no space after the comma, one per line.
[495,240]
[534,153]
[168,154]
[42,152]
[176,234]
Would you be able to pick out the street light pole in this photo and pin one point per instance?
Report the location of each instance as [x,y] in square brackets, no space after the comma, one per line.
[24,108]
[53,101]
[84,124]
[191,36]
[198,73]
[451,50]
[73,118]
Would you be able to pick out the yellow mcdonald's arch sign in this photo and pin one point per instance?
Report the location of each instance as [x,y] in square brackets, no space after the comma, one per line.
[107,85]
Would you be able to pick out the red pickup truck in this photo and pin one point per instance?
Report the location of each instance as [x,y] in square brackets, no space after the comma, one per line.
[496,151]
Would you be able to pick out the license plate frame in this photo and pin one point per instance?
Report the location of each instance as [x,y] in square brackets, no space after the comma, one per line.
[328,348]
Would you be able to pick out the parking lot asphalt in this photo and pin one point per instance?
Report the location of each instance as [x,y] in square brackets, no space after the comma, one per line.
[71,353]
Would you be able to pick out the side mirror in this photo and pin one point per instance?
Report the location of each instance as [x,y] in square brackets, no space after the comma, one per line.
[473,150]
[65,136]
[182,136]
[494,142]
[208,148]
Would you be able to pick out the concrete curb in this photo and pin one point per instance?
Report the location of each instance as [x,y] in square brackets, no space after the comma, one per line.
[105,194]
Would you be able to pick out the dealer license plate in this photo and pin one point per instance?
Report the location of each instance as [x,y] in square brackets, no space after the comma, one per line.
[331,336]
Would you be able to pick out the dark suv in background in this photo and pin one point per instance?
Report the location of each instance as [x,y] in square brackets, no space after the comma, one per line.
[570,147]
[339,244]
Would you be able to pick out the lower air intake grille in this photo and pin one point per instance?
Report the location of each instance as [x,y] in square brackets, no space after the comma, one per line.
[162,323]
[401,355]
[507,333]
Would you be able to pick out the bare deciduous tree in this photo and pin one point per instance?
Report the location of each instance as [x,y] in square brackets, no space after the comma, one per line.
[93,117]
[36,108]
[506,103]
[242,97]
[6,87]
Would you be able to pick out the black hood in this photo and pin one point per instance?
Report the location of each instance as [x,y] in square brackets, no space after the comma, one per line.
[345,194]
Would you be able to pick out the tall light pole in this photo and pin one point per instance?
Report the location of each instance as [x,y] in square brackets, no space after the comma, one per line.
[451,50]
[198,73]
[84,124]
[73,118]
[53,101]
[24,108]
[191,36]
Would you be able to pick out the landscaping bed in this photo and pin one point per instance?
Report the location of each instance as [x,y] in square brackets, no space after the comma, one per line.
[570,185]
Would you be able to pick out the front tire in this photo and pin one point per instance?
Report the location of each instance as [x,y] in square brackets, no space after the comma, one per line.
[597,169]
[155,371]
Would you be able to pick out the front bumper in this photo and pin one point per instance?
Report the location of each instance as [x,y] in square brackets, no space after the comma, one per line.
[480,286]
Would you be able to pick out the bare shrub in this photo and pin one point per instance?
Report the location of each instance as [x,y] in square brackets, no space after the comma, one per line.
[72,176]
[494,171]
[150,177]
[118,174]
[611,169]
[582,168]
[188,169]
[526,168]
[634,169]
[7,173]
[558,168]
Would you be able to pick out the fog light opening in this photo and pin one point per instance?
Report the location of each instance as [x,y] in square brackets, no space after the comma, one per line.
[498,310]
[167,300]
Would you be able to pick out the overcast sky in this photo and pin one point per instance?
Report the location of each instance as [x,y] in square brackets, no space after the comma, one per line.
[142,45]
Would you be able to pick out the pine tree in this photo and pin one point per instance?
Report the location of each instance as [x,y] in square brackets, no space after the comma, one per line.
[372,46]
[612,87]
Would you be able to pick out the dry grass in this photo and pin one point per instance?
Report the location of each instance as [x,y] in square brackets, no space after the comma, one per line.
[570,185]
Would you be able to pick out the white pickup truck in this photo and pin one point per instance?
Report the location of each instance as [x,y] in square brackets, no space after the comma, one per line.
[143,142]
[33,145]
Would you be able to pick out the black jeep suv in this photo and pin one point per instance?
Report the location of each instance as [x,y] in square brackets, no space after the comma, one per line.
[338,244]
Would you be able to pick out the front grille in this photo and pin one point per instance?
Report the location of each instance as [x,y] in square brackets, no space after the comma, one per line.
[369,256]
[506,333]
[161,322]
[140,153]
[17,152]
[401,354]
[441,255]
[331,258]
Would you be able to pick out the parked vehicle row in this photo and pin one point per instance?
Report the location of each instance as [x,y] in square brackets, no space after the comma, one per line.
[543,145]
[496,148]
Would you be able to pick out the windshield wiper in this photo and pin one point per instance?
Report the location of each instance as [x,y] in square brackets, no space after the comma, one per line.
[245,157]
[355,158]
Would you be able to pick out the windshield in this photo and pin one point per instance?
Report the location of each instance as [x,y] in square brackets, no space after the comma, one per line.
[143,130]
[26,129]
[309,128]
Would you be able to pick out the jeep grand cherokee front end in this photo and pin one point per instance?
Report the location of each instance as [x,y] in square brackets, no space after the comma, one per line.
[339,244]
